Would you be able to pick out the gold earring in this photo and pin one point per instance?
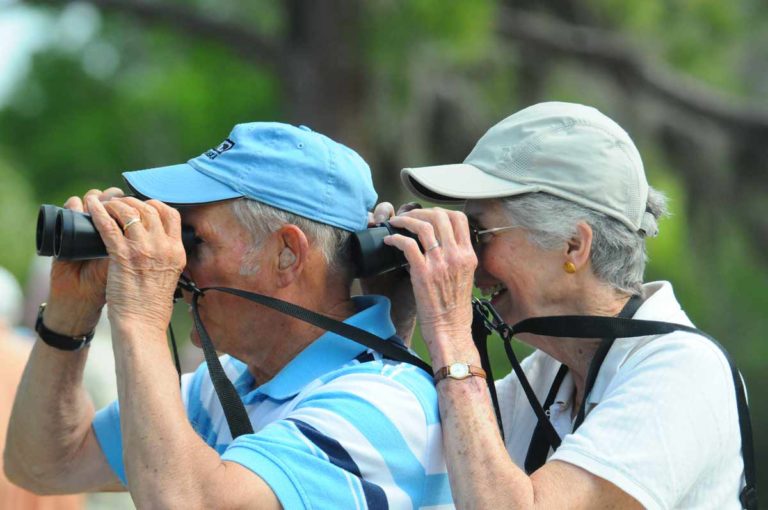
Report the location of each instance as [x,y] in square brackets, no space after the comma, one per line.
[569,267]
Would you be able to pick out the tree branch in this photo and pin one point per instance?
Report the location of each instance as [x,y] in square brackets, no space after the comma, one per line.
[618,57]
[239,38]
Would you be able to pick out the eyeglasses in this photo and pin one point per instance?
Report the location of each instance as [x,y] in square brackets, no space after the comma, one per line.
[480,237]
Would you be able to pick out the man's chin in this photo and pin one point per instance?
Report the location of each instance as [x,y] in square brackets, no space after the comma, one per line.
[194,337]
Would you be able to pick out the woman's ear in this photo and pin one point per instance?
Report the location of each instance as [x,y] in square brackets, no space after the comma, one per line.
[579,247]
[292,251]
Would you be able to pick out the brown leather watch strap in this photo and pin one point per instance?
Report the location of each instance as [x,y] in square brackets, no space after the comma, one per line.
[458,371]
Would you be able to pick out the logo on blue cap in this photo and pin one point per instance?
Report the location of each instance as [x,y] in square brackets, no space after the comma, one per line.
[219,149]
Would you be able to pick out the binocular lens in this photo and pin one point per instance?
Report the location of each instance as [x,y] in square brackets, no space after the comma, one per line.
[76,238]
[71,235]
[46,227]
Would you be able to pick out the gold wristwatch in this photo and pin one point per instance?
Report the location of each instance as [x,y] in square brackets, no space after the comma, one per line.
[459,371]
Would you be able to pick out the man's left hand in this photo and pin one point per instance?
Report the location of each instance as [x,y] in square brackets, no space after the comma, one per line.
[146,255]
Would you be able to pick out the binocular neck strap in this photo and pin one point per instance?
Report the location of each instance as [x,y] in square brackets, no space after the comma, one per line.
[540,440]
[234,410]
[480,333]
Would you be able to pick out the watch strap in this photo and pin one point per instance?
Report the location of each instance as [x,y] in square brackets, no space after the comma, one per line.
[57,340]
[445,372]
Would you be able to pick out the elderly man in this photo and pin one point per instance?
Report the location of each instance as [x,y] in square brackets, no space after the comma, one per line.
[335,425]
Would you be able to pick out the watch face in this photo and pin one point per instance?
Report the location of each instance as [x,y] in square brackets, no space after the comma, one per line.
[459,371]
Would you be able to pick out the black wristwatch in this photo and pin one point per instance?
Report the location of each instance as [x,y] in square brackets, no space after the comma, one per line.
[62,342]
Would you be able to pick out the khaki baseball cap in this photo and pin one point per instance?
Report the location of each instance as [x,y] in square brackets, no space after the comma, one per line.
[568,150]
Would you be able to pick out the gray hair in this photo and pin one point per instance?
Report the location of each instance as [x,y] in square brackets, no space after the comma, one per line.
[261,219]
[618,254]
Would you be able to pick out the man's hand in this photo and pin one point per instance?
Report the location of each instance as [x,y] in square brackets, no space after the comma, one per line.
[77,292]
[395,285]
[146,257]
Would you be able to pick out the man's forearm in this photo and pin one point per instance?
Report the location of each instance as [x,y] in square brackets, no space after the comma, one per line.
[166,463]
[51,417]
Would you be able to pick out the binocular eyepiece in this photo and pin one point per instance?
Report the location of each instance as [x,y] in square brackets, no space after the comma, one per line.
[71,235]
[371,256]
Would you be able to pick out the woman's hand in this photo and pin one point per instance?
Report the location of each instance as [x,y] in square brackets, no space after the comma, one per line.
[395,285]
[146,257]
[77,292]
[442,278]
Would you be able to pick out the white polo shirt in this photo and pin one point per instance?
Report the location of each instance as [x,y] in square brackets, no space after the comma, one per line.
[661,421]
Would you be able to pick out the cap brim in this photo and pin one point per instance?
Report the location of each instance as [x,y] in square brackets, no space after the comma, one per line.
[178,185]
[457,183]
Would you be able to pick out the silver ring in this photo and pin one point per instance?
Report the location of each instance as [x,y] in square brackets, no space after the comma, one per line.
[436,245]
[130,223]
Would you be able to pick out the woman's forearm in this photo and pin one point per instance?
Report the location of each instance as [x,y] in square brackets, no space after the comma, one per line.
[481,472]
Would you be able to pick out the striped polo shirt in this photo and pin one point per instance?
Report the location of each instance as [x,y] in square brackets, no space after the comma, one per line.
[337,427]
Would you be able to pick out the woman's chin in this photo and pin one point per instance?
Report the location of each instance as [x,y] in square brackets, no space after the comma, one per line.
[502,304]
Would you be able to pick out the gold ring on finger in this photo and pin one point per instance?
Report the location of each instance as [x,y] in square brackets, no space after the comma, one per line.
[130,223]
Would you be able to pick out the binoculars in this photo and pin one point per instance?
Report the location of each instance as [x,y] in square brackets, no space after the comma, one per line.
[371,256]
[71,235]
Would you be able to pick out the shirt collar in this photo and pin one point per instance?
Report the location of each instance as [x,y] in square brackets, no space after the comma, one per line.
[661,305]
[329,351]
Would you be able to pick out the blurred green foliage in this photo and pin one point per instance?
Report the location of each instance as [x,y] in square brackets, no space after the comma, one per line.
[17,219]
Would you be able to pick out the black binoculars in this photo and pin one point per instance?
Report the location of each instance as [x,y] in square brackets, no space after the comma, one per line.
[71,235]
[371,256]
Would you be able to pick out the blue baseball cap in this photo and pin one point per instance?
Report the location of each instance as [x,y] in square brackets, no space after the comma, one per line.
[291,168]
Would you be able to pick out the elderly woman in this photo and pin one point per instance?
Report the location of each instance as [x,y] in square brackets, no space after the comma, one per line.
[557,204]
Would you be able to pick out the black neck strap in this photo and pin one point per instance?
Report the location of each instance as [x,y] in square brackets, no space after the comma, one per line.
[234,410]
[578,326]
[539,446]
[480,333]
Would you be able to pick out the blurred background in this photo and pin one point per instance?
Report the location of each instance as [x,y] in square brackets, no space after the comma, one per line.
[89,89]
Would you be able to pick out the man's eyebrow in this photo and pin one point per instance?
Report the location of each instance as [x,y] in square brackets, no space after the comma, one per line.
[202,227]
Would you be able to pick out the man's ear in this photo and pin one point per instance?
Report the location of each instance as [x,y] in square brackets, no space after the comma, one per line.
[579,247]
[292,252]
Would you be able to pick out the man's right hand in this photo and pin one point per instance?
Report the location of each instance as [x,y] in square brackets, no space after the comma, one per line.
[77,292]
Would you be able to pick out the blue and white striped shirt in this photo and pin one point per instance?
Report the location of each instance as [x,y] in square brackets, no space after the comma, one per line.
[338,427]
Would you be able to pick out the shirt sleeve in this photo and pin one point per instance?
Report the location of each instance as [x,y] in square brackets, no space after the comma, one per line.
[359,441]
[668,415]
[106,425]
